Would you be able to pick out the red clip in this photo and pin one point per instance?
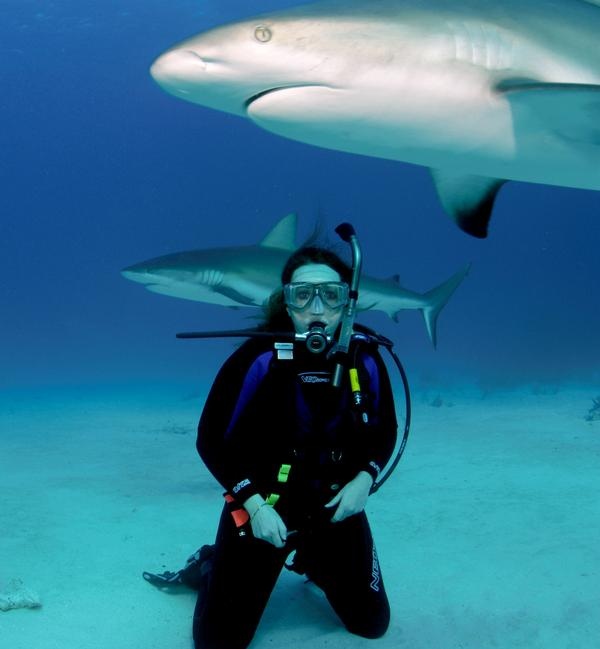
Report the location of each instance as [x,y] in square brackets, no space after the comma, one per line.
[240,515]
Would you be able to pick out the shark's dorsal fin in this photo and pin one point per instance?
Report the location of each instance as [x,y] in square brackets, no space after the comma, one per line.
[468,199]
[283,235]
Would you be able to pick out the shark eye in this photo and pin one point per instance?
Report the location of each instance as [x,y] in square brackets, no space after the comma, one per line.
[262,33]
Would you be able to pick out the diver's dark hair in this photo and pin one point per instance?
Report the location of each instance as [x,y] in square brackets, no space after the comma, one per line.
[276,316]
[315,255]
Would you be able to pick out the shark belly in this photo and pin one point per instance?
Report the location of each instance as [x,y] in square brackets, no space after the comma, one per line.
[476,130]
[194,292]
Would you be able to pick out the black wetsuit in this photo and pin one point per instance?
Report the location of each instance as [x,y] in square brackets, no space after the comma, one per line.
[263,414]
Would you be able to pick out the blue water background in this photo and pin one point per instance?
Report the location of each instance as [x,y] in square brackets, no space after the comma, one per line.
[101,169]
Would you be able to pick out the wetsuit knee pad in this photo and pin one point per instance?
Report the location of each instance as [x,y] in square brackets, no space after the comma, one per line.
[371,628]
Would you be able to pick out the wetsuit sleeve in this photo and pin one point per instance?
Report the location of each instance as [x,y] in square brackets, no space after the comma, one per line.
[383,426]
[231,391]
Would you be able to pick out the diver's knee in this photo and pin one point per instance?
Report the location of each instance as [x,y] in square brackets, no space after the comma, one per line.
[370,632]
[371,627]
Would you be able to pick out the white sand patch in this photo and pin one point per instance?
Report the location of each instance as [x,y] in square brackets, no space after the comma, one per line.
[487,532]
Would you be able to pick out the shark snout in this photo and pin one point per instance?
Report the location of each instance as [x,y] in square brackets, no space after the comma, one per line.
[176,69]
[135,274]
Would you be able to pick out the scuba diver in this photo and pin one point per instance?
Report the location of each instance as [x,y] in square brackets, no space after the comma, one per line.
[297,431]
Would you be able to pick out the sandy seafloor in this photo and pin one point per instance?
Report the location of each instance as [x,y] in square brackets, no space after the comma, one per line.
[488,532]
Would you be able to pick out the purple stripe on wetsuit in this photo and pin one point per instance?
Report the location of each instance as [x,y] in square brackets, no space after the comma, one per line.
[253,379]
[259,369]
[371,367]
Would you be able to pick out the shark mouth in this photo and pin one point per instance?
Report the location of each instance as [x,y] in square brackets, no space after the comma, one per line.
[270,91]
[261,94]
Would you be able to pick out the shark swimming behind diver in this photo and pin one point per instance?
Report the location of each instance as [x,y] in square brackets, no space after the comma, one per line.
[478,91]
[247,275]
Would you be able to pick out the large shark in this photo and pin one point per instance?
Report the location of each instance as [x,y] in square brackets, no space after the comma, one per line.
[247,275]
[479,91]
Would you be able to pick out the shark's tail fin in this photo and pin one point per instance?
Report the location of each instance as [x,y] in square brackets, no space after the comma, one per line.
[436,300]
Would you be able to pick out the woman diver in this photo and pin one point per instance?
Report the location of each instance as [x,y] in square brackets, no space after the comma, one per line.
[298,460]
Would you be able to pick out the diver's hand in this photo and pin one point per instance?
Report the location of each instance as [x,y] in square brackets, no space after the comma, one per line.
[265,522]
[352,498]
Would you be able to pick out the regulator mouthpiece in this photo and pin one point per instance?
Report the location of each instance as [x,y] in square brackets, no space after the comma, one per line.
[316,338]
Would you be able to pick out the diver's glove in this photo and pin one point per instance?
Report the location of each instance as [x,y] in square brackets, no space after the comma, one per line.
[352,498]
[265,522]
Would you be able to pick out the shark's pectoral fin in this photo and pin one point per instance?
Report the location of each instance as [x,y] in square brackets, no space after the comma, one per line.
[569,110]
[467,199]
[234,295]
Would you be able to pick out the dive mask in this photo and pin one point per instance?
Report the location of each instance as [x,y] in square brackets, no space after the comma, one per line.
[298,295]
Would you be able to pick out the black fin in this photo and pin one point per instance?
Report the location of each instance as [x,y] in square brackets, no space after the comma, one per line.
[468,199]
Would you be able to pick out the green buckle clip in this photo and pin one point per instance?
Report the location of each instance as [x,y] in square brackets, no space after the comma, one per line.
[272,499]
[284,473]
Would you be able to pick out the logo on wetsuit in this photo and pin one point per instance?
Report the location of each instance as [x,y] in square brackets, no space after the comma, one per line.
[375,573]
[240,485]
[375,466]
[315,377]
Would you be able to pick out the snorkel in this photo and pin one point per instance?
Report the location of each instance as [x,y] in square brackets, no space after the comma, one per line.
[339,351]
